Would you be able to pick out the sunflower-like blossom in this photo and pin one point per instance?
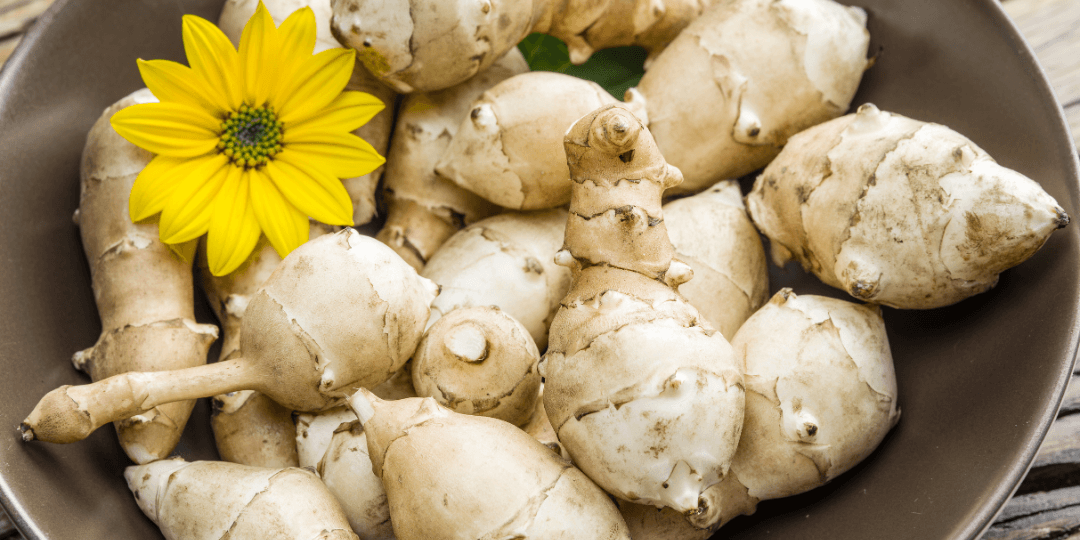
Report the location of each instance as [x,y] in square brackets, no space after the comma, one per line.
[250,141]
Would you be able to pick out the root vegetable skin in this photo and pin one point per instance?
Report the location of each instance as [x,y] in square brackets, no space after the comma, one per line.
[751,73]
[143,290]
[346,470]
[479,360]
[429,45]
[488,479]
[509,149]
[505,261]
[951,217]
[295,348]
[235,14]
[643,394]
[713,234]
[820,392]
[424,209]
[208,500]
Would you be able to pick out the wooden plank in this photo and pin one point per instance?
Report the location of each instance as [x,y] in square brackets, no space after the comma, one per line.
[16,17]
[7,530]
[1051,28]
[7,46]
[1058,462]
[1039,516]
[1071,403]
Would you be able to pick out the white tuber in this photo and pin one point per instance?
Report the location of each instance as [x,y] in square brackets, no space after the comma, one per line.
[505,261]
[724,97]
[211,500]
[479,360]
[454,476]
[645,396]
[713,234]
[899,212]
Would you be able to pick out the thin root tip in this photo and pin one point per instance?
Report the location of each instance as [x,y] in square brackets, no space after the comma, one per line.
[26,432]
[1062,220]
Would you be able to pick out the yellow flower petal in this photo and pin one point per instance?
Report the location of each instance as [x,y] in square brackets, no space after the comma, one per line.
[172,129]
[312,191]
[314,85]
[155,183]
[212,56]
[343,155]
[233,231]
[346,113]
[173,81]
[297,37]
[185,250]
[187,214]
[284,226]
[258,48]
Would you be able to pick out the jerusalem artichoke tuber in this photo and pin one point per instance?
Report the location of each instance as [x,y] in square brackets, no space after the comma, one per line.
[899,212]
[143,290]
[295,346]
[646,397]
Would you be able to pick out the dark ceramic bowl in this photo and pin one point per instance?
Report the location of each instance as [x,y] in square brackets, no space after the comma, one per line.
[980,381]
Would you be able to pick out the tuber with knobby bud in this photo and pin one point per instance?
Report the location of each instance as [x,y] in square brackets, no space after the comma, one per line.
[899,212]
[211,500]
[645,396]
[455,476]
[340,312]
[143,289]
[429,45]
[424,208]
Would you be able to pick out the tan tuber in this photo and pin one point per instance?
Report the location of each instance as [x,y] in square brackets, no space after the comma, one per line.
[645,396]
[340,312]
[899,212]
[211,500]
[143,289]
[424,208]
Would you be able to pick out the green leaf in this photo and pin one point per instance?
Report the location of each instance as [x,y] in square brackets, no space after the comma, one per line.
[616,69]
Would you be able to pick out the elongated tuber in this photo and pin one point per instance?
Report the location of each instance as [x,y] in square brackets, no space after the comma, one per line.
[143,290]
[479,360]
[713,234]
[646,397]
[423,208]
[340,312]
[505,261]
[347,472]
[235,14]
[456,476]
[509,149]
[429,45]
[727,93]
[899,212]
[210,500]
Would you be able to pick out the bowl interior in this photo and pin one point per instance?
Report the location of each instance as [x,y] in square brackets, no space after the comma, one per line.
[979,381]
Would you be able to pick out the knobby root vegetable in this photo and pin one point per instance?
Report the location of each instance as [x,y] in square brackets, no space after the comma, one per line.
[423,208]
[505,261]
[646,397]
[712,233]
[249,428]
[143,289]
[820,397]
[479,360]
[509,150]
[455,476]
[899,212]
[210,500]
[235,14]
[347,472]
[340,312]
[314,430]
[820,392]
[540,428]
[429,45]
[750,74]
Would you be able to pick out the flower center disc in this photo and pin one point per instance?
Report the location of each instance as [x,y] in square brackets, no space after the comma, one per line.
[251,136]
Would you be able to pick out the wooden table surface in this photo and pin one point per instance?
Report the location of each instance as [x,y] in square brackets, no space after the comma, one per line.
[1047,504]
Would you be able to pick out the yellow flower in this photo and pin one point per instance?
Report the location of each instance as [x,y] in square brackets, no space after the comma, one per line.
[248,142]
